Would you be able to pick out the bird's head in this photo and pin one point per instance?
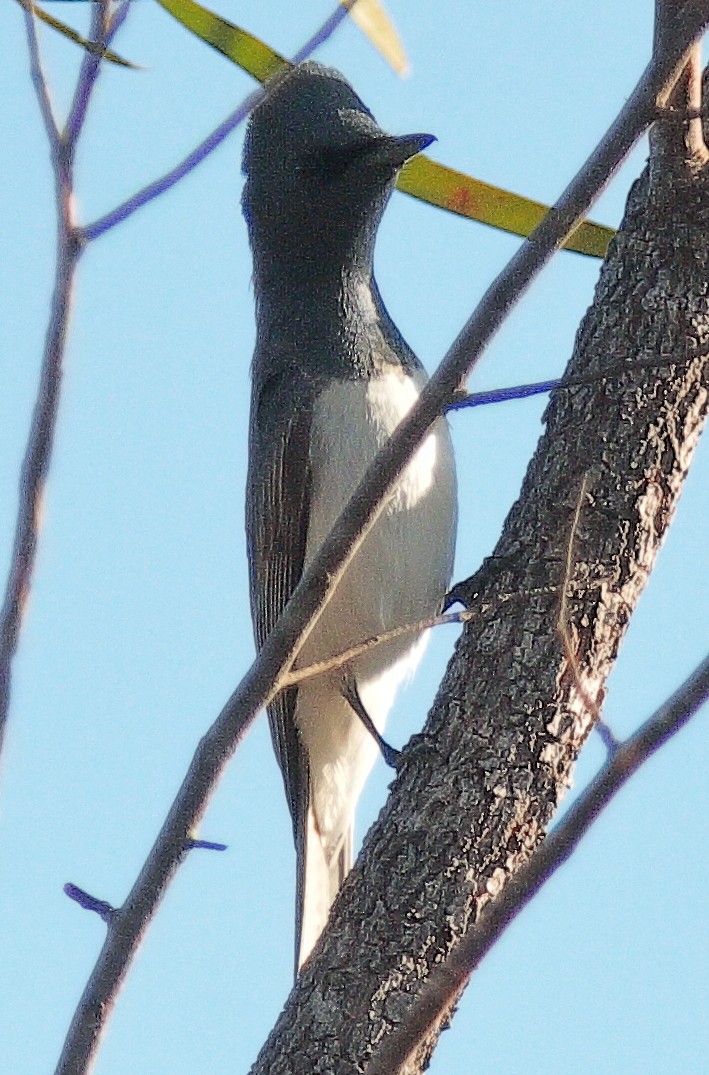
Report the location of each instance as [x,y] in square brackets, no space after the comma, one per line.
[319,169]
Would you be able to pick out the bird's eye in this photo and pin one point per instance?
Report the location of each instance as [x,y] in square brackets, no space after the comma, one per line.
[328,164]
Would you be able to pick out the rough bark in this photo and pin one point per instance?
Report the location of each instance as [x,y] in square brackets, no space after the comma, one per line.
[477,788]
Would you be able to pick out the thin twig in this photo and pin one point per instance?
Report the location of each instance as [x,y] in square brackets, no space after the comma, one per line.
[159,186]
[89,903]
[446,980]
[464,400]
[325,32]
[88,72]
[608,736]
[337,660]
[35,464]
[37,75]
[281,647]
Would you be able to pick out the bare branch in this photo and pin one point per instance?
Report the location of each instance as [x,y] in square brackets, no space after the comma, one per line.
[36,461]
[318,668]
[71,241]
[90,903]
[39,80]
[89,71]
[159,186]
[465,400]
[35,465]
[324,32]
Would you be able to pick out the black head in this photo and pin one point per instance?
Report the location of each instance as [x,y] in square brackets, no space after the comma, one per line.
[318,168]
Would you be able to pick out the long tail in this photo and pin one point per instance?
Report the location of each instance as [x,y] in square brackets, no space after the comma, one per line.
[318,882]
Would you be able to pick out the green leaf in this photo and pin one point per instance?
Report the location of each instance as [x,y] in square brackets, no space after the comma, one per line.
[239,46]
[67,31]
[461,194]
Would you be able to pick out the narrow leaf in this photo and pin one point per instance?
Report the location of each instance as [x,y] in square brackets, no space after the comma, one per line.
[432,182]
[68,31]
[374,22]
[256,58]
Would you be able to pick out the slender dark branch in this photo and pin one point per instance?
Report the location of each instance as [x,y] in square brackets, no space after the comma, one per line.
[608,737]
[90,903]
[104,27]
[463,400]
[324,32]
[35,467]
[88,72]
[209,144]
[159,186]
[37,75]
[206,845]
[119,17]
[35,464]
[444,619]
[264,679]
[116,20]
[446,981]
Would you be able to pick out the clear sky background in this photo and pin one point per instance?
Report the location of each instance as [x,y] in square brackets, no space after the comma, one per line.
[138,627]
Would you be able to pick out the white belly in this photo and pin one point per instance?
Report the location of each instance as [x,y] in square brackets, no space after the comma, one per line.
[398,576]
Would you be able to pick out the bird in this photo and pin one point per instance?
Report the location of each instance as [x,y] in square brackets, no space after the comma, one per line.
[331,378]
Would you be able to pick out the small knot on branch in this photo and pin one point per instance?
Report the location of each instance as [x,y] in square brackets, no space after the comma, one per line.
[208,845]
[100,907]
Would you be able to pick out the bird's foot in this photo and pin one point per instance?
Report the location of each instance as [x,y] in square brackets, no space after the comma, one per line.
[389,753]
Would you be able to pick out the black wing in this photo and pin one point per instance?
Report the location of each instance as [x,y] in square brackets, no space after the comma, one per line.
[277,502]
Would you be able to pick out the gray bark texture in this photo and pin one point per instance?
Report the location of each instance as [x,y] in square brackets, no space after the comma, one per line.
[477,788]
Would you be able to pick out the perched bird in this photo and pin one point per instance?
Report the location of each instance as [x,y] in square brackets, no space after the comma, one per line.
[331,379]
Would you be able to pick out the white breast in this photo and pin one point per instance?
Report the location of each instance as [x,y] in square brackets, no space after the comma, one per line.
[398,576]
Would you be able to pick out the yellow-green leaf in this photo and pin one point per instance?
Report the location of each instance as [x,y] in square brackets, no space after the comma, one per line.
[256,58]
[459,193]
[68,31]
[374,22]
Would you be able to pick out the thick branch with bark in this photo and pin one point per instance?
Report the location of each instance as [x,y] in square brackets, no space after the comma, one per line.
[478,787]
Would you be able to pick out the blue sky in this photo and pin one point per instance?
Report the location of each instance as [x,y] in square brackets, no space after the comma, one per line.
[138,626]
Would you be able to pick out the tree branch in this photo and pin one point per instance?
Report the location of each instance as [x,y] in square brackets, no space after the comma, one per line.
[683,108]
[35,464]
[102,30]
[37,75]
